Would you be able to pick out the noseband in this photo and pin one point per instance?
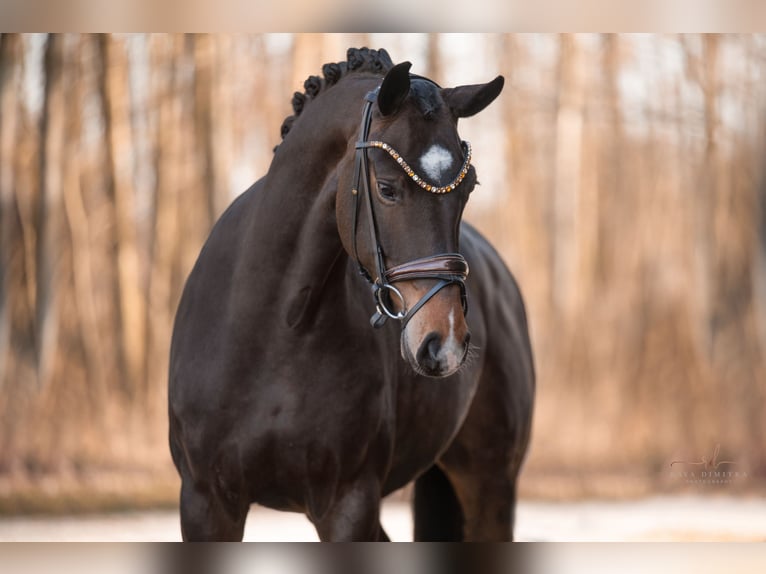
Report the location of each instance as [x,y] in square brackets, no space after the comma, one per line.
[445,268]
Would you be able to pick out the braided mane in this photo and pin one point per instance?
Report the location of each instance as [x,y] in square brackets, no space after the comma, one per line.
[358,60]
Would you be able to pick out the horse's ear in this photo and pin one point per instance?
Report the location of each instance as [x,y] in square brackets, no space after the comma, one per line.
[395,87]
[465,101]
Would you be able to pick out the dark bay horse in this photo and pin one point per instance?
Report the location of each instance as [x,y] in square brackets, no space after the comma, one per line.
[281,391]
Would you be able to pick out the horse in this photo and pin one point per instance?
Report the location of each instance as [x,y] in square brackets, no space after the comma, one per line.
[283,394]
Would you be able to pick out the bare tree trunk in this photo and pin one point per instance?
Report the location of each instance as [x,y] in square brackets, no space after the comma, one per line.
[82,258]
[710,172]
[119,143]
[8,127]
[758,118]
[569,130]
[613,156]
[759,276]
[19,191]
[222,130]
[433,64]
[705,186]
[49,210]
[306,58]
[203,121]
[196,217]
[165,228]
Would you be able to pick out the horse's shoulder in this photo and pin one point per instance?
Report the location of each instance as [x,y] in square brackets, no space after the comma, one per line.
[494,283]
[202,323]
[507,344]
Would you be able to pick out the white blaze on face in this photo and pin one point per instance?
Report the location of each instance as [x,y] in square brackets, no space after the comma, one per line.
[451,351]
[436,162]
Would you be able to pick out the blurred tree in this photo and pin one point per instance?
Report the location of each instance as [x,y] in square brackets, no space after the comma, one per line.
[567,206]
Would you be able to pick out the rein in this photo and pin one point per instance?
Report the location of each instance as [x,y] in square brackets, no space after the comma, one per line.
[446,268]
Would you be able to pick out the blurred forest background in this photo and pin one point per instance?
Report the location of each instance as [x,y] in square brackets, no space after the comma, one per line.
[622,181]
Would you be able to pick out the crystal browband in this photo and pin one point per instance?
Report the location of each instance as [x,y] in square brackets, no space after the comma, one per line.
[415,177]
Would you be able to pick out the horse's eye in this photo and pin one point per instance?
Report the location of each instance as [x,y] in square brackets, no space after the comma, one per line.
[386,191]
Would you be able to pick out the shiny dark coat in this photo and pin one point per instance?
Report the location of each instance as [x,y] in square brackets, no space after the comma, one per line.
[281,393]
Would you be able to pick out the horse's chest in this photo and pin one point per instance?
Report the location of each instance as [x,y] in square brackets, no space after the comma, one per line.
[327,422]
[429,414]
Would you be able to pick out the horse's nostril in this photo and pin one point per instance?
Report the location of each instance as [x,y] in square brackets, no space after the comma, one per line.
[467,339]
[433,347]
[429,352]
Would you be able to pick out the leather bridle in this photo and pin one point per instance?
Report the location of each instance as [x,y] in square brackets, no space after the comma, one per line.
[446,268]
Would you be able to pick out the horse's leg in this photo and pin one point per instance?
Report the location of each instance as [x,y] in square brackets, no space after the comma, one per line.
[488,501]
[382,536]
[437,513]
[353,516]
[205,517]
[485,457]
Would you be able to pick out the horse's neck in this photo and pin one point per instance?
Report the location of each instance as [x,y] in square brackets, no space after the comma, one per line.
[297,214]
[312,249]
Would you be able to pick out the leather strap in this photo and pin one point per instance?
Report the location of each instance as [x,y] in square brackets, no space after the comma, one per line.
[427,297]
[451,264]
[361,184]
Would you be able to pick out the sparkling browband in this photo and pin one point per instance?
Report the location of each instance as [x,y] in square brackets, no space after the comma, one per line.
[419,180]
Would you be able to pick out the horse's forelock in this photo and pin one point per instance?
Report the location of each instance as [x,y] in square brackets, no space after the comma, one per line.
[427,97]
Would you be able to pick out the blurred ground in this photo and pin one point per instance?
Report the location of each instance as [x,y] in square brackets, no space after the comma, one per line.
[687,518]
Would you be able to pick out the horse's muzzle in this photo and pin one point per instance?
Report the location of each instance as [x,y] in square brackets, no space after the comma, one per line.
[441,358]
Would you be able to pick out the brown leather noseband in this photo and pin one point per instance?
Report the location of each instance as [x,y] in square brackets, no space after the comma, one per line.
[446,268]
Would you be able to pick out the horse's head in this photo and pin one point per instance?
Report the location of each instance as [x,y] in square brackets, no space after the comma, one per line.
[399,217]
